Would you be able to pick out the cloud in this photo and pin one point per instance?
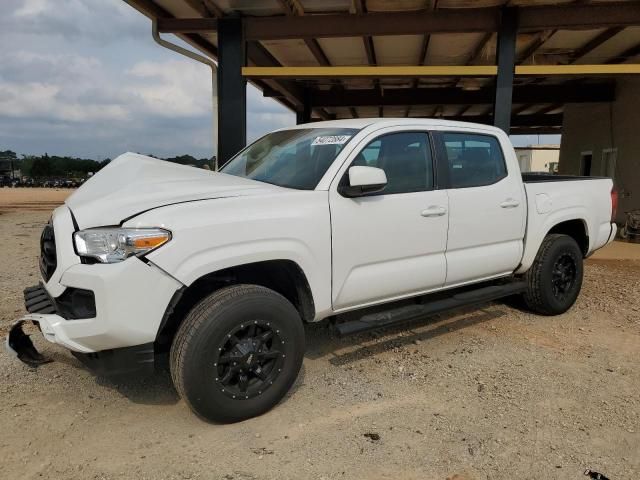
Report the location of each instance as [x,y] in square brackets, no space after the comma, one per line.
[89,20]
[37,100]
[31,8]
[264,114]
[56,87]
[174,88]
[88,80]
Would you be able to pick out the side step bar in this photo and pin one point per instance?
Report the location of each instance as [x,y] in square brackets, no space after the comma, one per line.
[400,315]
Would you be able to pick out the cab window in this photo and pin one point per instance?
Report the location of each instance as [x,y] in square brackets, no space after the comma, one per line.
[405,158]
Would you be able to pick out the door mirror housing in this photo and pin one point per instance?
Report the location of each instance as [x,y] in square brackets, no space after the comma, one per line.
[364,181]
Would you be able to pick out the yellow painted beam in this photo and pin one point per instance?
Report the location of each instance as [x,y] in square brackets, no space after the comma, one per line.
[395,71]
[435,71]
[614,69]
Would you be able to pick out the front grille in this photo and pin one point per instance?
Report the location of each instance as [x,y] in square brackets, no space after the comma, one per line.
[48,261]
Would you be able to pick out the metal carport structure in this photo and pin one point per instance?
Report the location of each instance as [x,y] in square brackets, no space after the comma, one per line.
[512,63]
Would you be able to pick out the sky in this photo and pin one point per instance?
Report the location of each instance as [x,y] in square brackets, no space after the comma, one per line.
[85,78]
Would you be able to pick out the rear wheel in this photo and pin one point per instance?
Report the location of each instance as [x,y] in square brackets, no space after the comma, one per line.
[237,353]
[555,278]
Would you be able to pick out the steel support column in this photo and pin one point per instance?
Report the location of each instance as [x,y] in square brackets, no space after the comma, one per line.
[232,89]
[506,60]
[304,115]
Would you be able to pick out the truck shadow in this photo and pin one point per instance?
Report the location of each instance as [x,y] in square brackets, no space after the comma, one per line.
[151,389]
[323,341]
[158,389]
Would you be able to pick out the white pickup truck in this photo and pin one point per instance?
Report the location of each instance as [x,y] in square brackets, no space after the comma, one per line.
[222,269]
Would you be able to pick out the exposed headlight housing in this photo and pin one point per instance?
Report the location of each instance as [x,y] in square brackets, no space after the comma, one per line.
[112,245]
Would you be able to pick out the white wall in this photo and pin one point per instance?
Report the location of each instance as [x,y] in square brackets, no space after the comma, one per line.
[537,158]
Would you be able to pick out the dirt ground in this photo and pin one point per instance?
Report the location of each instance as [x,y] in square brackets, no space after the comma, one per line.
[490,393]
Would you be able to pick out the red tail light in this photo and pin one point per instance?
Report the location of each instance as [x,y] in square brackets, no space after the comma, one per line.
[614,204]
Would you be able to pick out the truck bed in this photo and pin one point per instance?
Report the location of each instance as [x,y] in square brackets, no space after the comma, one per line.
[533,177]
[553,199]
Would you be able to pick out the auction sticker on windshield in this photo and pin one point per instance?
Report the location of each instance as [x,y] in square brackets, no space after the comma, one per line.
[331,140]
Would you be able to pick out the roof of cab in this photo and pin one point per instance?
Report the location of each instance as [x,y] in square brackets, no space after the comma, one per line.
[361,123]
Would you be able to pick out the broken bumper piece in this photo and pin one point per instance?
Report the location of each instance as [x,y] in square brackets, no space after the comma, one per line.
[139,358]
[19,344]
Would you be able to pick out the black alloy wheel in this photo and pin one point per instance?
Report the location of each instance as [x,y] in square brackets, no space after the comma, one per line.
[555,278]
[563,276]
[237,353]
[249,360]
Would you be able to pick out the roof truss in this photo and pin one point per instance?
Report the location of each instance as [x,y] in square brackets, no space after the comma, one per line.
[572,16]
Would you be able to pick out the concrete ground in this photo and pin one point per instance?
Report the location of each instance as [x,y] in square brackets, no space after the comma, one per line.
[619,250]
[487,393]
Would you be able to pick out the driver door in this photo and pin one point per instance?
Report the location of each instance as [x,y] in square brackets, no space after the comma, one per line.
[390,244]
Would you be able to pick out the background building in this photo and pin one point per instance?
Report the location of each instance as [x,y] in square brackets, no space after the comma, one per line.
[538,158]
[603,139]
[9,165]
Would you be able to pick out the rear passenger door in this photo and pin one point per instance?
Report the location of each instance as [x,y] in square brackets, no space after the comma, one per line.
[486,207]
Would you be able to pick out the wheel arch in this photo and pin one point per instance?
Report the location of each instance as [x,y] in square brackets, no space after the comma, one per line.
[571,223]
[283,276]
[576,229]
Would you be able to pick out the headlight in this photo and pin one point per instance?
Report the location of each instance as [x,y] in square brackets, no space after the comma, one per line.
[111,245]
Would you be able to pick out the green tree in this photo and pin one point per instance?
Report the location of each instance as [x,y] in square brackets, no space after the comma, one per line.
[41,167]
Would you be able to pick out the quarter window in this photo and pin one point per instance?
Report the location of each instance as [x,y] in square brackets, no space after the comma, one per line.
[404,157]
[473,160]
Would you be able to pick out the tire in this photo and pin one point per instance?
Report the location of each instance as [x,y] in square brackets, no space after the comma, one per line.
[226,334]
[555,278]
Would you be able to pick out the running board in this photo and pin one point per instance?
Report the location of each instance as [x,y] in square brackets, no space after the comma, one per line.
[400,315]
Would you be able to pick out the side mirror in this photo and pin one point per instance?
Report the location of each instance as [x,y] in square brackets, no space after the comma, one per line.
[364,181]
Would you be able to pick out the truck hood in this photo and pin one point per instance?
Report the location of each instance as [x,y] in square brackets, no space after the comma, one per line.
[133,183]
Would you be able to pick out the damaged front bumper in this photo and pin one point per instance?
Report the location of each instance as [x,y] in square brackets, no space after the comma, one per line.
[20,345]
[44,314]
[116,361]
[101,313]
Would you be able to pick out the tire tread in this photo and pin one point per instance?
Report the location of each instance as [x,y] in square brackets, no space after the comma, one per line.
[195,318]
[535,277]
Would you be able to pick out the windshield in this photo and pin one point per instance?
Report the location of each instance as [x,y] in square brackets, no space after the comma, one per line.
[291,158]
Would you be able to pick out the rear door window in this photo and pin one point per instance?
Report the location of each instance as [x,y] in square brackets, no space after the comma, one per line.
[473,160]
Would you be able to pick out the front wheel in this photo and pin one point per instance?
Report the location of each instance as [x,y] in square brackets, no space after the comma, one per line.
[555,278]
[237,353]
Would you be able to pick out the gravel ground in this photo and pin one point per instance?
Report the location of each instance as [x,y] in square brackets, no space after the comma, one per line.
[490,393]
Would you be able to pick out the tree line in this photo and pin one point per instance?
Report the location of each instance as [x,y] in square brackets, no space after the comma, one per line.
[53,166]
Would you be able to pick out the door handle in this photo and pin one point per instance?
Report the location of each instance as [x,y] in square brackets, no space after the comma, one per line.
[434,211]
[510,203]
